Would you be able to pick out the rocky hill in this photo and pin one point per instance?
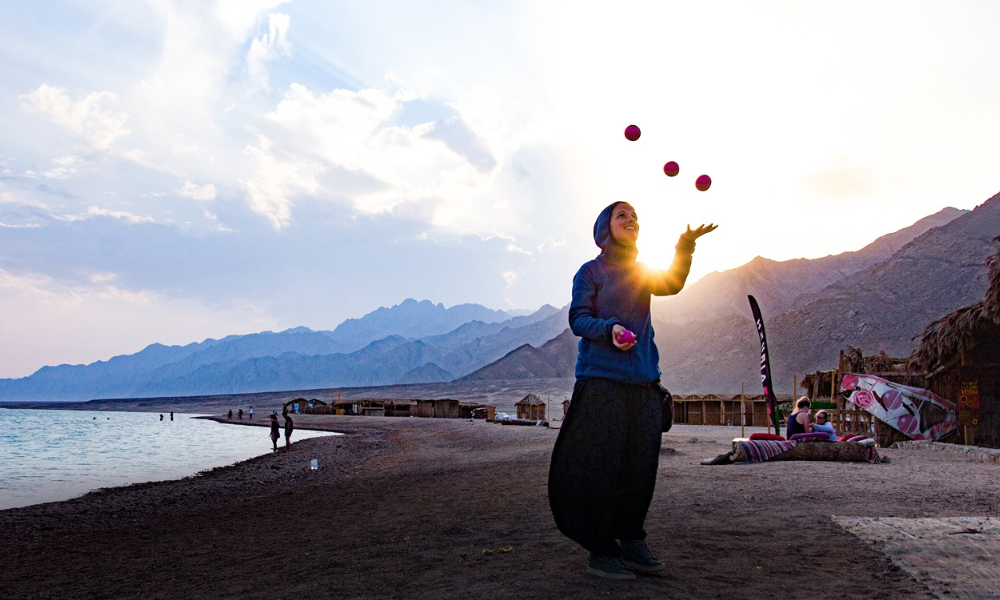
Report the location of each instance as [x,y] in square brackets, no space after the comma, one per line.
[556,358]
[877,299]
[780,285]
[881,307]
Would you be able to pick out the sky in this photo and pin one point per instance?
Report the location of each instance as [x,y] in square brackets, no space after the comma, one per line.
[172,171]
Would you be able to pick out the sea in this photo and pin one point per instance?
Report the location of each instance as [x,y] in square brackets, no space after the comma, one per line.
[52,455]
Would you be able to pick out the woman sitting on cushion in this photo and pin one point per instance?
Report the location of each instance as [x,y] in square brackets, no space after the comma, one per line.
[822,425]
[798,421]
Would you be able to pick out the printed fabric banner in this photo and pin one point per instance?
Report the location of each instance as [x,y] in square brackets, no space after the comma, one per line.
[765,366]
[901,407]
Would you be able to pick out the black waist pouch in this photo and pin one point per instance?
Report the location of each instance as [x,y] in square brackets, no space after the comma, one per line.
[667,402]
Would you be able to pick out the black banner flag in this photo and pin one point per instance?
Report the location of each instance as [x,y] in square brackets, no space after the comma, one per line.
[765,366]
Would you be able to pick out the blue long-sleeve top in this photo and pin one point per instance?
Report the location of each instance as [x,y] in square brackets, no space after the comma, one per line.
[615,289]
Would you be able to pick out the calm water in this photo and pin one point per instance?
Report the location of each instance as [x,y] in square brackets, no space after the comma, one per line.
[49,455]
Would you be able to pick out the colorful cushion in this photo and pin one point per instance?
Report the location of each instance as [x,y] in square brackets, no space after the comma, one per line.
[858,438]
[809,437]
[766,436]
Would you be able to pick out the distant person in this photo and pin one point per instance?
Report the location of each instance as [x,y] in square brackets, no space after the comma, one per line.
[171,415]
[604,464]
[822,425]
[241,414]
[161,416]
[251,413]
[275,432]
[798,421]
[230,417]
[289,426]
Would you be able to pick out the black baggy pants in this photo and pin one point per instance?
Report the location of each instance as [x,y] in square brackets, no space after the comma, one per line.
[604,463]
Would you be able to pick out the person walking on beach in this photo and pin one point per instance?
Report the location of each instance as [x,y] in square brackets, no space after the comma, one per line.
[230,417]
[275,432]
[251,413]
[289,426]
[604,463]
[241,414]
[171,415]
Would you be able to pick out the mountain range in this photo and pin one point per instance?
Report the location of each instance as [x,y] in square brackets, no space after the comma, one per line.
[877,299]
[453,342]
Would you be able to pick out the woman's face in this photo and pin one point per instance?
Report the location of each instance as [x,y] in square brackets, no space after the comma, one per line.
[624,224]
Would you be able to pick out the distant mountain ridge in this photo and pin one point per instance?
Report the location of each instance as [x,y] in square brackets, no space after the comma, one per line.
[555,358]
[881,307]
[300,358]
[411,319]
[877,298]
[779,285]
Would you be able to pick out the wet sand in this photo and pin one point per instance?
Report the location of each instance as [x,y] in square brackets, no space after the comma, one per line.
[406,507]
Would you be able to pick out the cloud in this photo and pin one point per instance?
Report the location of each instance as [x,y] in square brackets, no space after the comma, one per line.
[59,173]
[462,140]
[17,199]
[511,241]
[376,153]
[198,192]
[24,285]
[551,243]
[91,116]
[19,212]
[266,48]
[95,211]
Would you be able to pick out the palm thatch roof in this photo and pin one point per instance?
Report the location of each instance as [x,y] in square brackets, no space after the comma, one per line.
[530,400]
[956,334]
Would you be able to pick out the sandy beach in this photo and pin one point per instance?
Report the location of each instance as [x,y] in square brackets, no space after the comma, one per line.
[426,508]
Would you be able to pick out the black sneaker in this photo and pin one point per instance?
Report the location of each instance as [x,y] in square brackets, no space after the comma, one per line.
[636,555]
[609,567]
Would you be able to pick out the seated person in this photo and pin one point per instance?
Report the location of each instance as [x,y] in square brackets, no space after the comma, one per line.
[798,421]
[822,424]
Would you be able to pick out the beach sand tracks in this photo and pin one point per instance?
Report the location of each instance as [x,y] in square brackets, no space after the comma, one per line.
[955,557]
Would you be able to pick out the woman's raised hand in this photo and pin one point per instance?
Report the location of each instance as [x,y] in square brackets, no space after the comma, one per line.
[693,234]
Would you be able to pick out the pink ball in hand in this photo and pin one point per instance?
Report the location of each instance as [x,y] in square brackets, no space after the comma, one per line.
[626,337]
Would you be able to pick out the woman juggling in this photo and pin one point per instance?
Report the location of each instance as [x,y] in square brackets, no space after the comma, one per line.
[605,459]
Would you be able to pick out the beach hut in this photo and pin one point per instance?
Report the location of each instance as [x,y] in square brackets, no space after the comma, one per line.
[531,408]
[960,357]
[301,405]
[345,407]
[399,408]
[440,409]
[425,409]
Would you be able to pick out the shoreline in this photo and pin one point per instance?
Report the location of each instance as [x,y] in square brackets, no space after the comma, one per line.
[131,448]
[500,393]
[406,507]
